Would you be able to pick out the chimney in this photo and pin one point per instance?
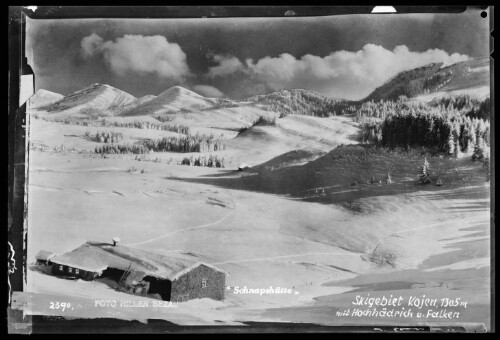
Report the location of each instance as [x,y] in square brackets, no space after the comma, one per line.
[116,240]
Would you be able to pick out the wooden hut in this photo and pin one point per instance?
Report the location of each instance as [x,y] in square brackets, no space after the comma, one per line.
[174,277]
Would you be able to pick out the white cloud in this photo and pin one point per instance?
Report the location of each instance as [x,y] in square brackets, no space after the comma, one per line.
[208,91]
[226,65]
[342,74]
[140,54]
[91,44]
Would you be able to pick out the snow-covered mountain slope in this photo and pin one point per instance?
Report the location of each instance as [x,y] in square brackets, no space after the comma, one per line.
[96,96]
[43,97]
[175,98]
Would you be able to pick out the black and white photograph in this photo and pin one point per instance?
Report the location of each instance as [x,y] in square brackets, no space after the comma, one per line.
[226,173]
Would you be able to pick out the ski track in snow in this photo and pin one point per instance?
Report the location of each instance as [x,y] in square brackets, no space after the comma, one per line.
[190,228]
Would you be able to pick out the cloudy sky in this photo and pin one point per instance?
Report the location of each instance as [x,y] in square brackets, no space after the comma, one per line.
[338,56]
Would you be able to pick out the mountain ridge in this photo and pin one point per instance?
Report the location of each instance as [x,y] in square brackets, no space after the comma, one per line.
[96,96]
[428,82]
[300,101]
[434,78]
[175,98]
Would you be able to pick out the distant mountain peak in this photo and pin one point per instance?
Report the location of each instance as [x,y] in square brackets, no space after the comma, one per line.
[100,85]
[179,90]
[175,98]
[96,96]
[178,87]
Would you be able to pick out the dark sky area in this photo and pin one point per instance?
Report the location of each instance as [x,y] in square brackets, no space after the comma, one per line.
[338,56]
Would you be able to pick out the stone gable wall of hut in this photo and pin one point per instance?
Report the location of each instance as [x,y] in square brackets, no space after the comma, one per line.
[190,285]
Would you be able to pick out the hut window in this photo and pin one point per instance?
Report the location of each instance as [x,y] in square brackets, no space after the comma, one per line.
[204,283]
[70,270]
[77,271]
[61,268]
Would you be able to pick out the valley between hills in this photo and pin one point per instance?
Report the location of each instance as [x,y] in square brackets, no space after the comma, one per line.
[289,189]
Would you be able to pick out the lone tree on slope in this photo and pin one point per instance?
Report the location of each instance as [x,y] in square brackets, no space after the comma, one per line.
[388,178]
[423,175]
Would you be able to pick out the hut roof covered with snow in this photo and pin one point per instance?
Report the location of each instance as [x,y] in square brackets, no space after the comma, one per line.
[44,255]
[98,256]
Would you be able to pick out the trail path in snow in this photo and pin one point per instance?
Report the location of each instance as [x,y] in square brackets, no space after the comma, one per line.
[190,228]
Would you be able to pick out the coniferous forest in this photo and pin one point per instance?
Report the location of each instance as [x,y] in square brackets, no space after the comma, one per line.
[445,126]
[190,143]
